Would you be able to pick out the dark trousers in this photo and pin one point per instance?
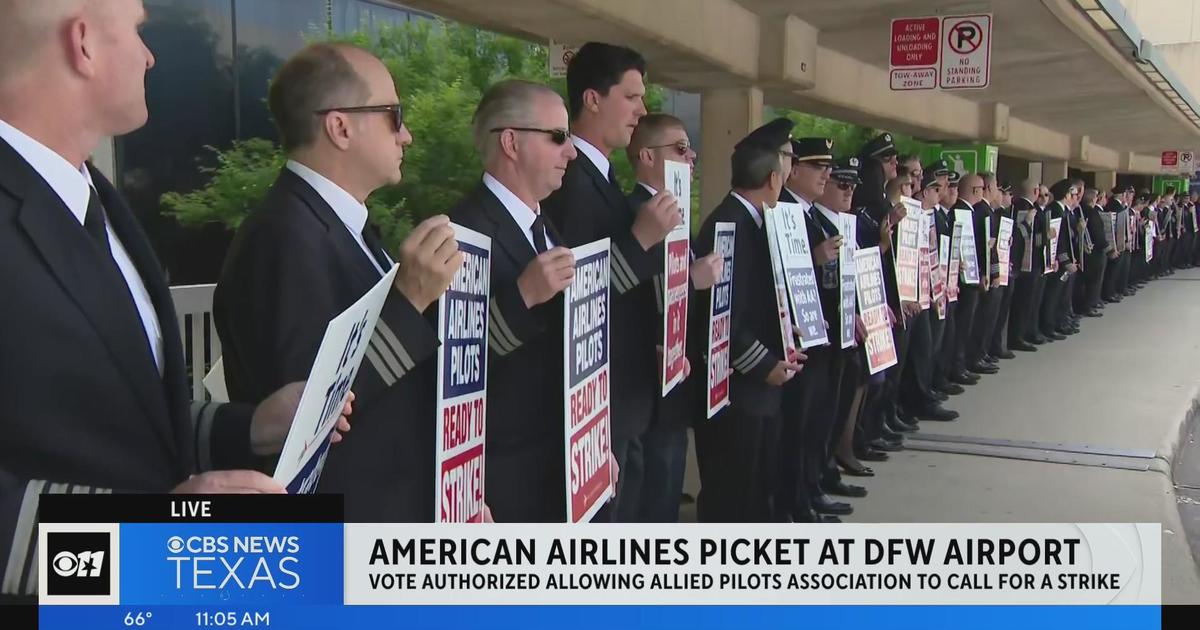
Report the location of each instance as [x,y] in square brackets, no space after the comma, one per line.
[624,508]
[1050,301]
[944,363]
[937,333]
[734,451]
[1112,276]
[1034,326]
[1097,276]
[1065,301]
[526,483]
[1022,303]
[809,410]
[964,323]
[664,460]
[888,398]
[1129,268]
[999,342]
[916,391]
[986,314]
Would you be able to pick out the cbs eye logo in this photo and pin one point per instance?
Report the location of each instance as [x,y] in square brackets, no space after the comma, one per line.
[79,563]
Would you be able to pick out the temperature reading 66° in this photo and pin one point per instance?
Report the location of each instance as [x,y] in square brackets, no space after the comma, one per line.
[137,619]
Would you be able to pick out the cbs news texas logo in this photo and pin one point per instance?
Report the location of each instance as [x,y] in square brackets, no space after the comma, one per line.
[78,563]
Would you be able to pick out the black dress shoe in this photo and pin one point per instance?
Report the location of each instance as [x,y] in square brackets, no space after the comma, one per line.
[899,427]
[990,360]
[952,389]
[1093,313]
[1038,340]
[937,413]
[963,379]
[1021,346]
[983,368]
[844,490]
[1055,336]
[827,518]
[939,396]
[885,446]
[890,437]
[857,470]
[905,422]
[824,504]
[871,455]
[1005,355]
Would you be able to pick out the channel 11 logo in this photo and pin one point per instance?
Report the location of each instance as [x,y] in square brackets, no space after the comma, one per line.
[80,563]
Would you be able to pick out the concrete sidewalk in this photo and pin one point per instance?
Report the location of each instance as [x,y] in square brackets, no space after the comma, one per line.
[1084,430]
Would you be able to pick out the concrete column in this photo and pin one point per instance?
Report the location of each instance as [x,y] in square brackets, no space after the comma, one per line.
[1053,170]
[104,158]
[726,116]
[1106,180]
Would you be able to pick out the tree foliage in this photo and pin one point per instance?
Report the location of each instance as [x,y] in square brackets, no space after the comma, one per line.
[441,70]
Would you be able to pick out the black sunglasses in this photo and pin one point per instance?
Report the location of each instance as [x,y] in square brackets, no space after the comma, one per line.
[557,136]
[395,109]
[845,186]
[682,147]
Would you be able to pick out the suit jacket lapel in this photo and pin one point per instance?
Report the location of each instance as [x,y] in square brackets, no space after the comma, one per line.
[343,242]
[137,245]
[612,195]
[91,282]
[506,233]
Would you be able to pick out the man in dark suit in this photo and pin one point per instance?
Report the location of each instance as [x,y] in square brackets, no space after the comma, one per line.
[987,226]
[604,92]
[810,400]
[96,399]
[738,449]
[309,253]
[1102,252]
[1025,283]
[998,346]
[1063,193]
[520,131]
[661,137]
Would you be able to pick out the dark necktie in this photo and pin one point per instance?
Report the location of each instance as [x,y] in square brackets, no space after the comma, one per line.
[538,230]
[95,221]
[375,246]
[612,177]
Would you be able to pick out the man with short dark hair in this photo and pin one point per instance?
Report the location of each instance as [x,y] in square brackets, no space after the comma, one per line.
[738,448]
[309,252]
[605,86]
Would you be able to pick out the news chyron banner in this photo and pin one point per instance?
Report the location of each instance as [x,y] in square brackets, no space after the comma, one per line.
[908,251]
[879,345]
[588,450]
[720,321]
[338,358]
[462,383]
[1004,249]
[848,228]
[970,261]
[787,221]
[109,562]
[677,251]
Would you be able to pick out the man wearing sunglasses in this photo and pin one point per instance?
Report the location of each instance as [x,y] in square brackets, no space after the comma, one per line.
[520,133]
[658,138]
[605,87]
[310,251]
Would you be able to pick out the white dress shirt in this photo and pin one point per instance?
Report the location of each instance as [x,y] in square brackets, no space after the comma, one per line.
[521,213]
[352,213]
[829,214]
[593,154]
[73,185]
